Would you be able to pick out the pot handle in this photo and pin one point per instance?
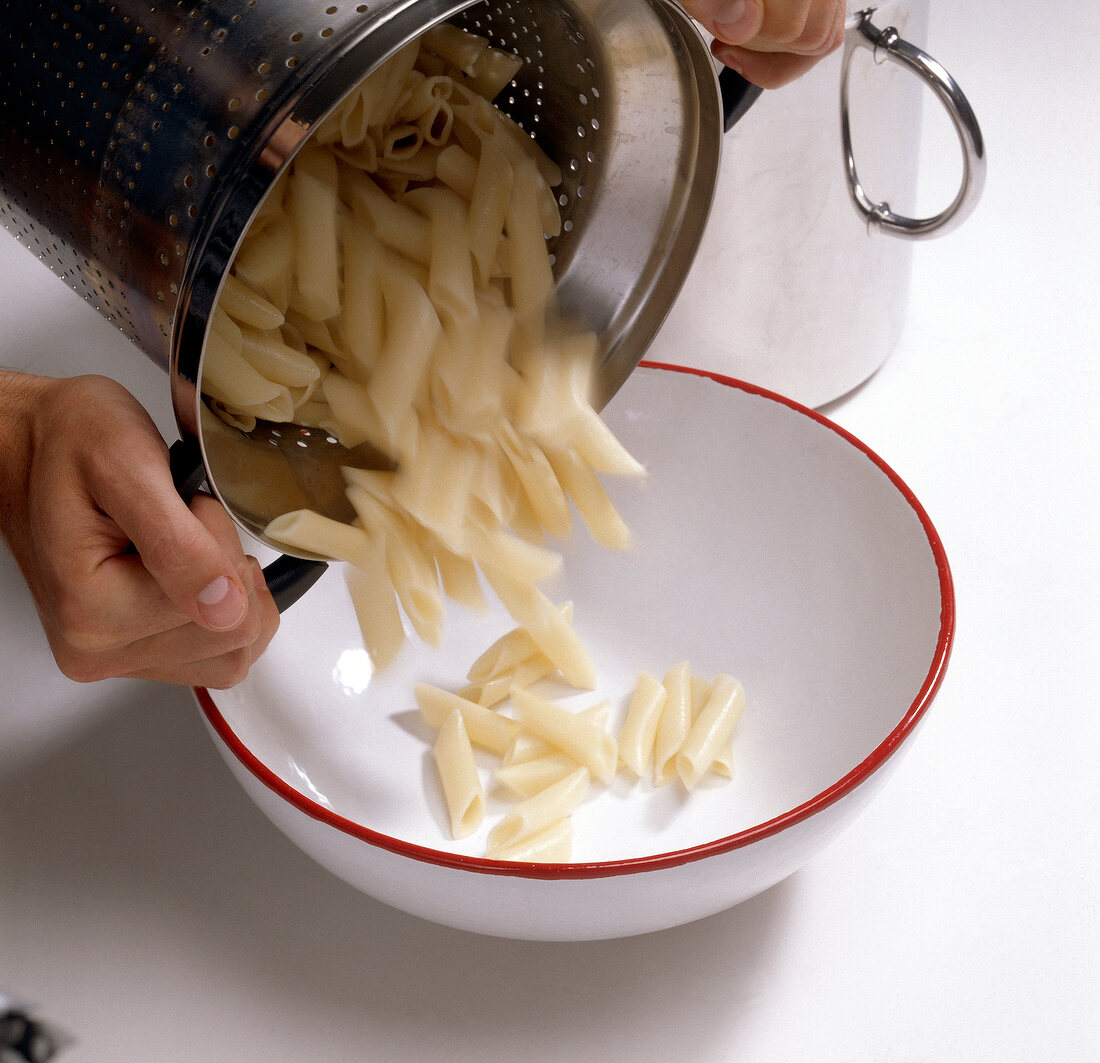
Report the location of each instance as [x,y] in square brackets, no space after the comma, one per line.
[287,577]
[738,95]
[887,45]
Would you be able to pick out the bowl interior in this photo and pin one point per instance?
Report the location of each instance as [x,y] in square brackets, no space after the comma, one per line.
[768,544]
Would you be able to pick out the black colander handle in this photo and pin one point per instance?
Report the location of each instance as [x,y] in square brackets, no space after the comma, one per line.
[738,95]
[287,577]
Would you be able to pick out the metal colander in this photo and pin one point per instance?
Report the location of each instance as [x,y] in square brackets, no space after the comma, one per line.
[137,140]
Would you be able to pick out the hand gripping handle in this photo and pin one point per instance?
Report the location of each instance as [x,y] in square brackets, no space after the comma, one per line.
[287,577]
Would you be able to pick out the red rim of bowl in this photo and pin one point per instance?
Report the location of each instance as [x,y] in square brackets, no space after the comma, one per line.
[634,865]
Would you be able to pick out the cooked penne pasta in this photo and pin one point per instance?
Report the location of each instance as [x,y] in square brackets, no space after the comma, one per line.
[246,306]
[674,722]
[362,315]
[313,208]
[400,142]
[450,271]
[513,648]
[265,262]
[580,737]
[489,196]
[412,328]
[470,377]
[490,693]
[532,279]
[458,575]
[700,691]
[541,481]
[723,762]
[228,376]
[376,606]
[597,510]
[553,845]
[493,70]
[394,223]
[513,566]
[457,169]
[553,753]
[435,488]
[384,86]
[553,634]
[530,672]
[414,574]
[534,814]
[529,777]
[459,49]
[454,758]
[526,746]
[708,739]
[306,530]
[356,418]
[272,358]
[487,729]
[638,736]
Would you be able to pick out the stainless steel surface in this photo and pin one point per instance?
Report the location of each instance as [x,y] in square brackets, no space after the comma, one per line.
[137,140]
[887,45]
[791,289]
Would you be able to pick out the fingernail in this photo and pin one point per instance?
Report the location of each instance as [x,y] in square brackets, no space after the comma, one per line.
[221,604]
[733,25]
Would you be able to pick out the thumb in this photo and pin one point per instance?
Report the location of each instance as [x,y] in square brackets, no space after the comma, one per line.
[732,21]
[192,553]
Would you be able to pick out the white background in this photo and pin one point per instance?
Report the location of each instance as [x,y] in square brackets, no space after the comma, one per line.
[148,909]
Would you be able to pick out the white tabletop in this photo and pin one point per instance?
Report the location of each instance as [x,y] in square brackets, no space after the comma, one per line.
[152,912]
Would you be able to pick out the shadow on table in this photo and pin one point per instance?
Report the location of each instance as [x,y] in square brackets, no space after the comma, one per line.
[138,817]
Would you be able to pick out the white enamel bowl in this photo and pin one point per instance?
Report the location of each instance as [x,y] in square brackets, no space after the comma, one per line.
[770,545]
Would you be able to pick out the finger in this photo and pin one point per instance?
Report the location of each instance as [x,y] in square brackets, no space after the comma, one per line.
[769,70]
[187,653]
[155,656]
[816,31]
[217,660]
[193,556]
[227,669]
[218,673]
[800,27]
[265,606]
[733,21]
[92,590]
[788,23]
[220,525]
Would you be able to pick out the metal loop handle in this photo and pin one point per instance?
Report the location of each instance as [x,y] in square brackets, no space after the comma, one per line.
[888,46]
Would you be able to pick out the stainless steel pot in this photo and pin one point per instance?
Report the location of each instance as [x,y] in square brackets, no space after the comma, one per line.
[792,289]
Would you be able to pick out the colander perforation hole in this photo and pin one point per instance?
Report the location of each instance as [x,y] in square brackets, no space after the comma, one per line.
[131,76]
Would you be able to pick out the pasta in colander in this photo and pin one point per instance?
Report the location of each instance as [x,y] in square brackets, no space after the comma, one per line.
[396,290]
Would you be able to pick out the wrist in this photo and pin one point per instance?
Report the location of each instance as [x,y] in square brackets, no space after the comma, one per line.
[20,396]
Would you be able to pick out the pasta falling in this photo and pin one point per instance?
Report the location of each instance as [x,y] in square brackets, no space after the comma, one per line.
[396,289]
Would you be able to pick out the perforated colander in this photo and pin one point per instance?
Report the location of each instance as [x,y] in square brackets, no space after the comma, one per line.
[137,140]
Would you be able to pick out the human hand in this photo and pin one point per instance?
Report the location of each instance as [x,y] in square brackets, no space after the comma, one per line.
[127,579]
[771,42]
